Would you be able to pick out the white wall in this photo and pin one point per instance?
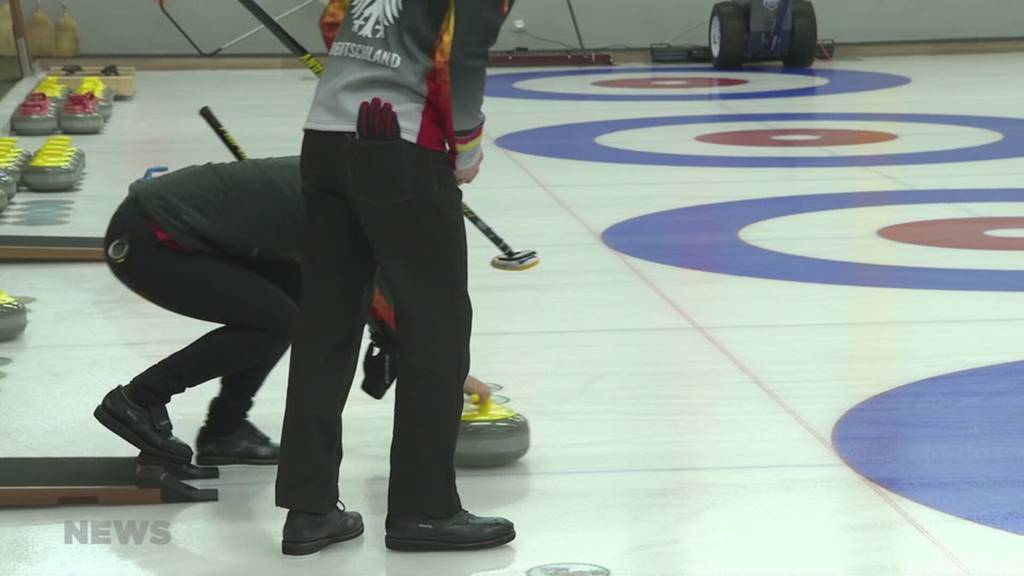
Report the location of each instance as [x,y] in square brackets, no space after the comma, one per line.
[138,27]
[885,20]
[642,22]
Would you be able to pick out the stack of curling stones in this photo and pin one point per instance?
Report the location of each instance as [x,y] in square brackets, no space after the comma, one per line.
[13,317]
[56,167]
[492,434]
[37,115]
[52,107]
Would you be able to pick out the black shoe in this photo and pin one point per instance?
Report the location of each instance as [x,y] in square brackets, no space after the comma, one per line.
[306,533]
[148,428]
[246,445]
[463,531]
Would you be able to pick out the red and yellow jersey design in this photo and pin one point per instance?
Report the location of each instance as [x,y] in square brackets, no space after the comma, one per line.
[331,19]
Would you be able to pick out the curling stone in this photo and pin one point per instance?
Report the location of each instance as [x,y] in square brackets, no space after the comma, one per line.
[12,166]
[53,157]
[13,317]
[36,116]
[51,173]
[491,435]
[12,161]
[13,158]
[104,96]
[57,149]
[54,88]
[62,145]
[8,188]
[81,115]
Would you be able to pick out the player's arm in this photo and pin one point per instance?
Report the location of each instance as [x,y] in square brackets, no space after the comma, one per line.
[477,24]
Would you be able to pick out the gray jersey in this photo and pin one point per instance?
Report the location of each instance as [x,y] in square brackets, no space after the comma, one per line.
[426,57]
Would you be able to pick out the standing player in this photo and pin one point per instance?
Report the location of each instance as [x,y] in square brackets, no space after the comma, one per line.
[394,128]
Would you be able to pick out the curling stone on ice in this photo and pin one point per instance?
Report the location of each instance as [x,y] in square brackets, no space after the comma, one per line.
[81,115]
[104,96]
[50,174]
[54,88]
[13,164]
[13,317]
[62,145]
[8,189]
[12,160]
[57,167]
[36,116]
[491,435]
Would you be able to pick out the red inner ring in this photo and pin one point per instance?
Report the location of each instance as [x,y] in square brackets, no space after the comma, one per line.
[670,83]
[815,137]
[963,233]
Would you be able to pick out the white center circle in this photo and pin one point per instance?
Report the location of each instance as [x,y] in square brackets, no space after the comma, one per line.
[1006,233]
[797,137]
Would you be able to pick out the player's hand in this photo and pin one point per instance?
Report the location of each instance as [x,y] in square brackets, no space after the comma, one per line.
[377,121]
[467,175]
[474,386]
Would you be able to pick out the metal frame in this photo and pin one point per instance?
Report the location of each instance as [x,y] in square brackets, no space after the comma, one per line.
[575,24]
[231,43]
[21,45]
[770,31]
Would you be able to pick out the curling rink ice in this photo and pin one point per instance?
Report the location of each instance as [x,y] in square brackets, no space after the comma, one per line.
[776,330]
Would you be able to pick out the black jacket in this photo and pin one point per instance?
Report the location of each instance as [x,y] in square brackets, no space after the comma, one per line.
[250,210]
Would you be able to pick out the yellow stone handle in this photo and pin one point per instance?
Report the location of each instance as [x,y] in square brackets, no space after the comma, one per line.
[481,408]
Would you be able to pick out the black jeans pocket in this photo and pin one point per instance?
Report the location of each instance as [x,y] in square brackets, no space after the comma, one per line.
[386,172]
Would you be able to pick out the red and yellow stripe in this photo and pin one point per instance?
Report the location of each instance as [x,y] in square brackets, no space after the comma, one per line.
[468,142]
[436,128]
[332,18]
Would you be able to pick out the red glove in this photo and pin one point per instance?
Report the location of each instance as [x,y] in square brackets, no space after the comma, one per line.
[377,121]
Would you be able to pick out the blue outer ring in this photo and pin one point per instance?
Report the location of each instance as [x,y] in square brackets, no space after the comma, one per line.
[579,142]
[952,442]
[707,238]
[840,82]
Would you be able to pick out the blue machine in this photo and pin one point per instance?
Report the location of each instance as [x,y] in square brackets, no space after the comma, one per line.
[752,30]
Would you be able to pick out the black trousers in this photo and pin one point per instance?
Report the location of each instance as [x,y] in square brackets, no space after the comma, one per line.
[257,303]
[393,206]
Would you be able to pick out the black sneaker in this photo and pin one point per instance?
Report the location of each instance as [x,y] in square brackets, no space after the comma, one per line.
[463,531]
[148,428]
[306,533]
[246,445]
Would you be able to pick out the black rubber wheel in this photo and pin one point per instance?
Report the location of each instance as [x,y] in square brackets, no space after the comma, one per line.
[804,43]
[727,35]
